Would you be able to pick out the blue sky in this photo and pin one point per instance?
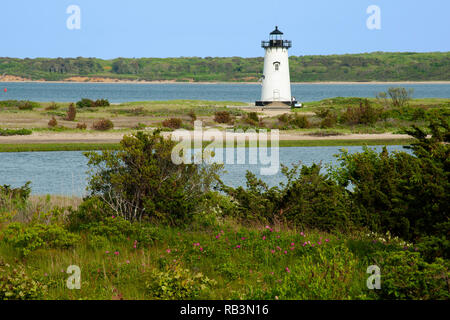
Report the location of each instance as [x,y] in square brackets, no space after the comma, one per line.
[174,28]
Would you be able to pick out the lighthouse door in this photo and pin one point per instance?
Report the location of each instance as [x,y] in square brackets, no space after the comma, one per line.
[276,95]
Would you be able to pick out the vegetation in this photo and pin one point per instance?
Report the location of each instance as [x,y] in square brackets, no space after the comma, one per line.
[150,229]
[376,66]
[103,125]
[17,132]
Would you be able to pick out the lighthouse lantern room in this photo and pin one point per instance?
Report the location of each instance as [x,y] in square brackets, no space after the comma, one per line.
[276,83]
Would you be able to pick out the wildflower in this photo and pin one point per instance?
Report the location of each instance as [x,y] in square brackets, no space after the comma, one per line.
[264,238]
[285,252]
[302,234]
[278,248]
[242,238]
[287,270]
[319,243]
[218,236]
[221,231]
[273,251]
[168,250]
[278,237]
[292,244]
[304,243]
[116,253]
[238,246]
[128,261]
[292,248]
[327,240]
[113,217]
[267,227]
[272,273]
[196,244]
[45,274]
[201,249]
[106,251]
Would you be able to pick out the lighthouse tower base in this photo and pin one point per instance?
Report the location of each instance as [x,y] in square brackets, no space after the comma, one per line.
[275,103]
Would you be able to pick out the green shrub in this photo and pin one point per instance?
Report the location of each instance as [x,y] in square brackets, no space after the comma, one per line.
[15,284]
[103,125]
[405,275]
[85,103]
[28,105]
[15,132]
[177,283]
[399,192]
[141,181]
[101,103]
[52,106]
[309,199]
[27,238]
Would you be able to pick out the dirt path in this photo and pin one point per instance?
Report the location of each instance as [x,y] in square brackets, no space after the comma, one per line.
[114,137]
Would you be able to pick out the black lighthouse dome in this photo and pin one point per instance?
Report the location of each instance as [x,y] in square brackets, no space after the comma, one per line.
[276,40]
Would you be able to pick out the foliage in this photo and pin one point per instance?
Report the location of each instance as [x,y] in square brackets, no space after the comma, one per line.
[294,121]
[15,284]
[71,113]
[141,180]
[10,194]
[27,238]
[82,126]
[364,114]
[53,122]
[15,132]
[103,125]
[178,283]
[405,275]
[309,199]
[172,123]
[376,66]
[406,194]
[222,117]
[88,103]
[399,97]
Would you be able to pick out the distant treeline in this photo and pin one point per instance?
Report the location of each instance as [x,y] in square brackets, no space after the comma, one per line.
[377,66]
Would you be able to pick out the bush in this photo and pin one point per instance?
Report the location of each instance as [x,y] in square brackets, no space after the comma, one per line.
[222,117]
[15,284]
[328,116]
[101,103]
[309,199]
[91,210]
[27,238]
[364,114]
[88,103]
[294,121]
[85,103]
[71,113]
[28,105]
[102,125]
[140,181]
[12,132]
[405,275]
[192,115]
[172,123]
[81,126]
[52,123]
[402,193]
[177,283]
[52,106]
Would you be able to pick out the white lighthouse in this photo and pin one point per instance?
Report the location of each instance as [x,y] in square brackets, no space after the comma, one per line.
[276,82]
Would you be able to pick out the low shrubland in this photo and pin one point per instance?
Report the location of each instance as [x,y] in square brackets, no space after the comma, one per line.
[150,229]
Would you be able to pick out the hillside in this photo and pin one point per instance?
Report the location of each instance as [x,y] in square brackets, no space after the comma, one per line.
[377,66]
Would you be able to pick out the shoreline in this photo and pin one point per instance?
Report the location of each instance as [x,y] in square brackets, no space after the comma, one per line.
[84,142]
[227,82]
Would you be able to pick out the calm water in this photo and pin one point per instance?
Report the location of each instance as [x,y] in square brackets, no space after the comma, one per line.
[64,172]
[123,92]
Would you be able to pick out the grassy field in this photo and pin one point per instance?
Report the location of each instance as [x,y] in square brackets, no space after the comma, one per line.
[211,259]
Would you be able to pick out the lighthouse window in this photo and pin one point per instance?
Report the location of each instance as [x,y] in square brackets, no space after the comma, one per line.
[277,66]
